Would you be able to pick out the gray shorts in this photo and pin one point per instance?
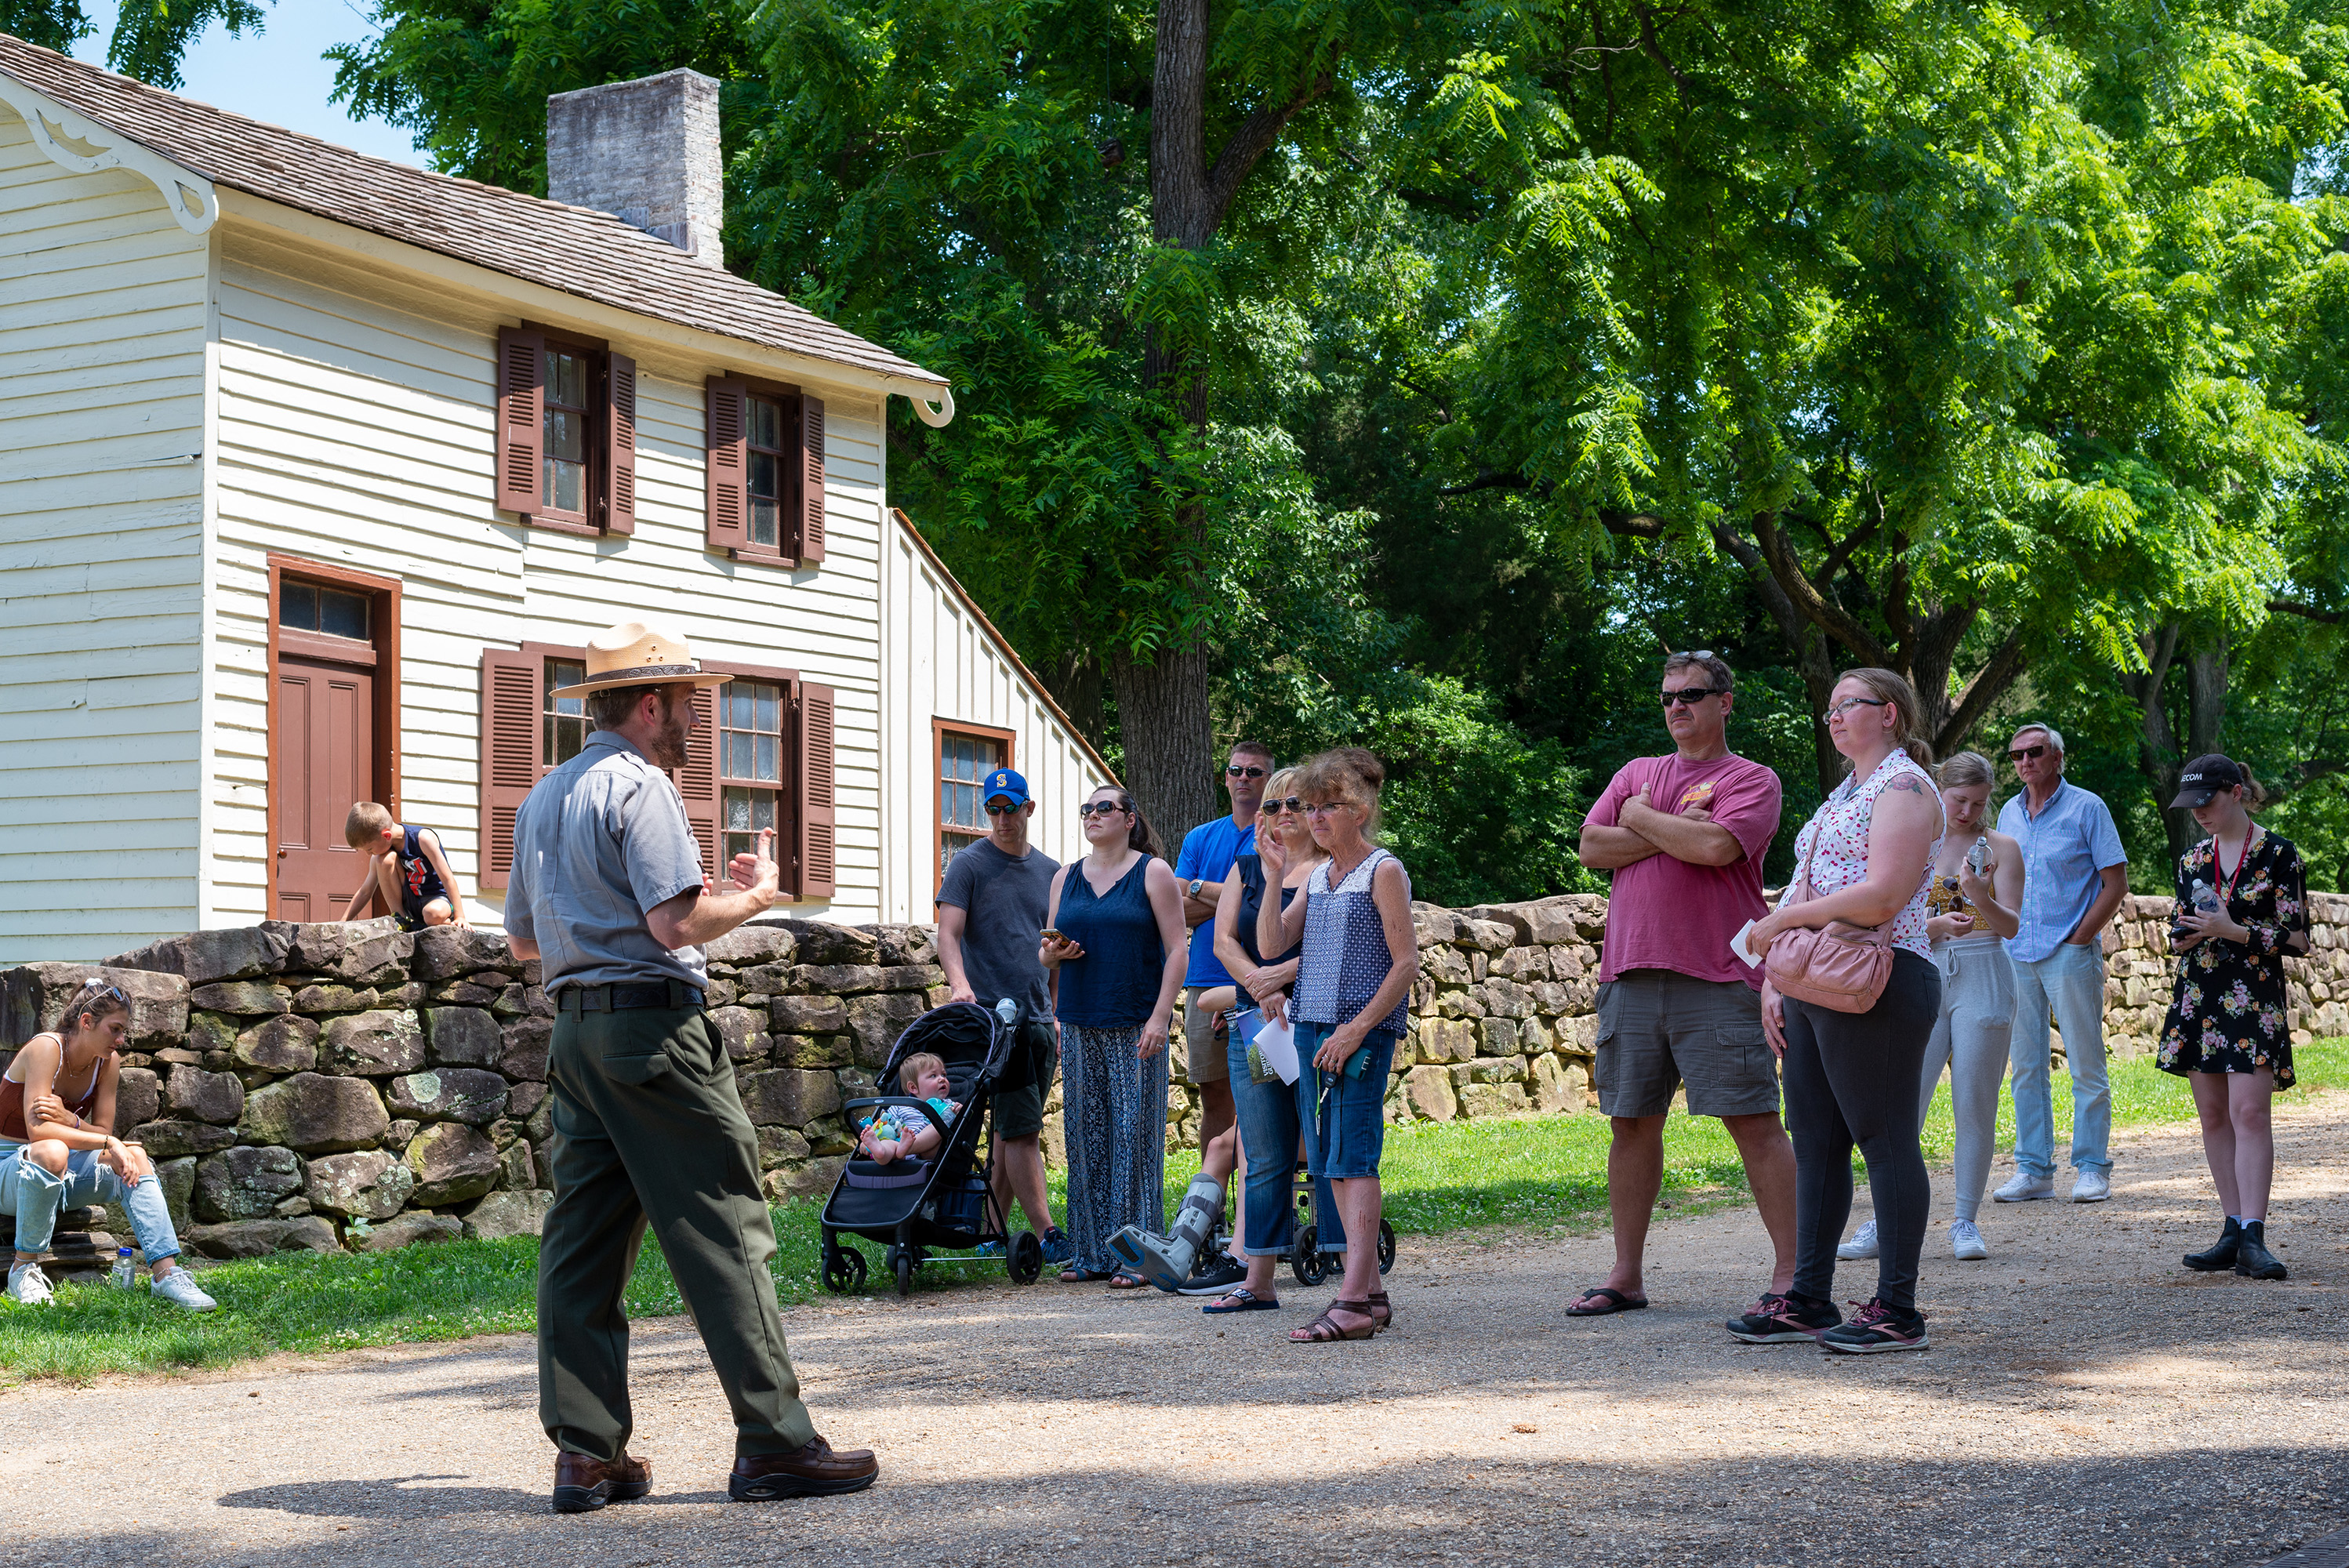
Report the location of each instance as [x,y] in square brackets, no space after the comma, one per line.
[1659,1029]
[1202,1041]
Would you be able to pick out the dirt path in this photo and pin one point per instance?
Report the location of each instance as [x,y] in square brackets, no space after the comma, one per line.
[2085,1401]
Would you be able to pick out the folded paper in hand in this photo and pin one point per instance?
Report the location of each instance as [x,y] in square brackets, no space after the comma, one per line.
[1272,1042]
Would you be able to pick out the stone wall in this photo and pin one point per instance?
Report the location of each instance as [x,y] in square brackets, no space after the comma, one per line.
[351,1086]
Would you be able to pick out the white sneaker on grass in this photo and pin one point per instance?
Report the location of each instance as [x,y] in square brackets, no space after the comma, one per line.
[2093,1187]
[28,1285]
[2023,1187]
[1862,1243]
[1966,1242]
[180,1288]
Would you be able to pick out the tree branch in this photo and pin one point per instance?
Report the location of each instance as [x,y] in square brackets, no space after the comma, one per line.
[1251,141]
[2285,607]
[1786,570]
[1989,683]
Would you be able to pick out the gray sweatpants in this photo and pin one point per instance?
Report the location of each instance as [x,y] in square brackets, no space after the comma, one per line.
[1970,1038]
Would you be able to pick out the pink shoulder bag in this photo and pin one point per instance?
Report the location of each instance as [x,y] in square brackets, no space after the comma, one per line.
[1840,966]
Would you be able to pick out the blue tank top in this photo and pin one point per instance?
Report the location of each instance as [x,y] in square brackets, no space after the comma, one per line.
[1346,958]
[1115,984]
[419,884]
[1252,890]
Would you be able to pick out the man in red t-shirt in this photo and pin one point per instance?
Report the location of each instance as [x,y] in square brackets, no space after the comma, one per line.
[1684,835]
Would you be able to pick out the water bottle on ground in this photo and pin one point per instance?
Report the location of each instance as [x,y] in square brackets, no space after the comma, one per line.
[125,1274]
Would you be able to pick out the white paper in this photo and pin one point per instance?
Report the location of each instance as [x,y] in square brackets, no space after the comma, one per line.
[1276,1043]
[1737,946]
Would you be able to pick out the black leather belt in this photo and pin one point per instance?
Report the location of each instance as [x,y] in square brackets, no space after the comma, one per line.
[620,996]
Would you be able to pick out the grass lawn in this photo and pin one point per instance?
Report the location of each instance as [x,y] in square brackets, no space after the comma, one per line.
[1547,1172]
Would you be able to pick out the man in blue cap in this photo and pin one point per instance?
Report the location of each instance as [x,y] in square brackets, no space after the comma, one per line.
[991,908]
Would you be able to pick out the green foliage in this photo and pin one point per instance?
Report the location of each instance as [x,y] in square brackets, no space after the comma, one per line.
[150,37]
[57,25]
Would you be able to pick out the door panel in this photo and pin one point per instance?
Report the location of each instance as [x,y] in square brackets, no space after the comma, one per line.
[324,764]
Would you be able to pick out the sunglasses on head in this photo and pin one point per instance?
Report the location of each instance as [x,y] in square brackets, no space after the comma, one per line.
[1690,696]
[1238,771]
[2026,753]
[1103,808]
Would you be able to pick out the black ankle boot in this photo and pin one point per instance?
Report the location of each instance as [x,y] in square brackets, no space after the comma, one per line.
[2221,1254]
[2252,1259]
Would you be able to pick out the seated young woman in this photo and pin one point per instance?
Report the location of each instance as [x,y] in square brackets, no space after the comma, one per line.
[58,1149]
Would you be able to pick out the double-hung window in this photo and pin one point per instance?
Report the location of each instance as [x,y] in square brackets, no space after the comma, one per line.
[566,432]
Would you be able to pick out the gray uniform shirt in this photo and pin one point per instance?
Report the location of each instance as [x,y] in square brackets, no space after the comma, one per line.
[597,842]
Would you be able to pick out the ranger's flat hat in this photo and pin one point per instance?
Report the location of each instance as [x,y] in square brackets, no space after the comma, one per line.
[633,653]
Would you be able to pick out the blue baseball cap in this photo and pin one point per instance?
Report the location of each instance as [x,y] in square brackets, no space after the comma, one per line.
[1005,782]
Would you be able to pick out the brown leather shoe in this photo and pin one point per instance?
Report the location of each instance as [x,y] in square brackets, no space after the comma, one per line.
[583,1485]
[814,1470]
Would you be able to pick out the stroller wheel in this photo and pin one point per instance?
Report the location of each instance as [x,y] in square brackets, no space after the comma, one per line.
[1305,1260]
[905,1266]
[1386,1246]
[843,1270]
[1026,1261]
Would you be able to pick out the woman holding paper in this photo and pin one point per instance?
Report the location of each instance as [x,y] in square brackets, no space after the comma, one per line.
[1360,955]
[1267,1123]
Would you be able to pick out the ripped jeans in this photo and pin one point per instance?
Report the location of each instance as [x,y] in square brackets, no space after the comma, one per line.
[35,1195]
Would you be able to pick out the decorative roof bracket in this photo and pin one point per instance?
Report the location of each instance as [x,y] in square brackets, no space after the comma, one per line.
[84,146]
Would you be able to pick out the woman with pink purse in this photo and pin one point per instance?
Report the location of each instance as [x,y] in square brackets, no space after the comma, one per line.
[1849,1006]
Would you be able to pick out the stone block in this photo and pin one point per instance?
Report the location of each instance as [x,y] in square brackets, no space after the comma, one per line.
[138,1098]
[812,1178]
[469,1095]
[259,1238]
[1506,999]
[765,980]
[807,1016]
[839,979]
[1458,1003]
[1435,925]
[745,946]
[1428,1092]
[452,1163]
[235,953]
[462,1036]
[399,1134]
[738,1027]
[192,1094]
[1497,1069]
[359,950]
[372,1044]
[171,1138]
[523,1098]
[32,998]
[212,1034]
[470,991]
[246,996]
[1535,1037]
[902,945]
[876,1022]
[1488,1100]
[1487,935]
[1549,921]
[245,1182]
[516,1171]
[178,1178]
[822,941]
[1509,915]
[1497,1037]
[812,1050]
[445,952]
[369,1185]
[315,1113]
[516,1213]
[1556,1085]
[408,1230]
[333,996]
[781,1146]
[1522,964]
[524,1046]
[1447,963]
[789,1096]
[286,1044]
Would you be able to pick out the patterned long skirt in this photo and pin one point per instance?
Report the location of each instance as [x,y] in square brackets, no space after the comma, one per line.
[1114,1111]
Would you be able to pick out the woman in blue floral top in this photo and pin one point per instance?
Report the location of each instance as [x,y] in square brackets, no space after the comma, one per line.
[2241,905]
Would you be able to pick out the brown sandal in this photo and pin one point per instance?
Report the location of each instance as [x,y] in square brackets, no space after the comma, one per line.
[1326,1330]
[1381,1310]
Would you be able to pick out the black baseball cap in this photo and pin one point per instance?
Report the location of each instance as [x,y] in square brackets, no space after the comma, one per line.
[2204,778]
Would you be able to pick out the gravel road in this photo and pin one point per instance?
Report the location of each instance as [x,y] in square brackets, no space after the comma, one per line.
[2085,1401]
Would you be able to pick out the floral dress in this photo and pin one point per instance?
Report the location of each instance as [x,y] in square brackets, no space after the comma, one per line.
[2228,1015]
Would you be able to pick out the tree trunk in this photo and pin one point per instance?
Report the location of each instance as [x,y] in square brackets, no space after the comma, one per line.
[1075,682]
[2206,696]
[2157,742]
[1169,737]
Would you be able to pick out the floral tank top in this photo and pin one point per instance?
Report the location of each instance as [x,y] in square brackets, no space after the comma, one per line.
[1835,842]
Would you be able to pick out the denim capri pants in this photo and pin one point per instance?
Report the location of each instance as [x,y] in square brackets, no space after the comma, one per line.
[1344,1116]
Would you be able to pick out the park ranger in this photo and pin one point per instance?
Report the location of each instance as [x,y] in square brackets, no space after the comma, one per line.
[607,894]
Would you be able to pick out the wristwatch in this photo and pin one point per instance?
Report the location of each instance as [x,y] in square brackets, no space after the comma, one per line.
[1197,884]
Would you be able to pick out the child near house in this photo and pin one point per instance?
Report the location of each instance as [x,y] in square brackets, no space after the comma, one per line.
[405,866]
[900,1131]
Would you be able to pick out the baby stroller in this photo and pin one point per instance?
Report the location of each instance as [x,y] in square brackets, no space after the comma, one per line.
[941,1203]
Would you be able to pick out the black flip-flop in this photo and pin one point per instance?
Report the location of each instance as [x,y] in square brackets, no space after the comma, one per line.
[1616,1301]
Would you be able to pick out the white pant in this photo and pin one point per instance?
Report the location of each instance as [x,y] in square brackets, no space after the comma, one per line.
[1970,1038]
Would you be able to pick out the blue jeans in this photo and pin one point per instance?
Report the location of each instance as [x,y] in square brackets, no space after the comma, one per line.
[35,1196]
[1268,1120]
[1345,1118]
[2070,982]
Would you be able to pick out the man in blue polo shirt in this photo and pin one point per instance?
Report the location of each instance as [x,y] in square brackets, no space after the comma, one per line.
[2074,875]
[1208,852]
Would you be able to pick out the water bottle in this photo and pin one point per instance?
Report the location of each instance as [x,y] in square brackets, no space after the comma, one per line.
[125,1274]
[2205,900]
[1008,1009]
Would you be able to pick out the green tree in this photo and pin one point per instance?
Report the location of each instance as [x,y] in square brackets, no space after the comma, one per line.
[150,40]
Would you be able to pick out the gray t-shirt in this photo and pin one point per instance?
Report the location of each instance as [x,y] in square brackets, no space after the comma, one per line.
[1003,902]
[599,841]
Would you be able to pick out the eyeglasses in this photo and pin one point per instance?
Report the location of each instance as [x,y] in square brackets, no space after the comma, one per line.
[1848,704]
[1237,771]
[1005,810]
[1323,808]
[1690,696]
[2026,753]
[1288,803]
[1101,808]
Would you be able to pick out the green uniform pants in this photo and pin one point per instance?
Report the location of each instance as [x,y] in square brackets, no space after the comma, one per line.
[648,1127]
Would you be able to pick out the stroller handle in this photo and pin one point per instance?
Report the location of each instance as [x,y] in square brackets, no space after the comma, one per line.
[926,1107]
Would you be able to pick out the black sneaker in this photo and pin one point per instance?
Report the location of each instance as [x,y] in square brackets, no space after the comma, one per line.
[2252,1259]
[1783,1319]
[2220,1253]
[1875,1328]
[1217,1276]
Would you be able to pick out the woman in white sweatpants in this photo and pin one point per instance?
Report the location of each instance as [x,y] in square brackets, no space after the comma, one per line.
[1977,890]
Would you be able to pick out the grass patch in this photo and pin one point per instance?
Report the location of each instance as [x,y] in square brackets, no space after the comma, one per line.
[1548,1171]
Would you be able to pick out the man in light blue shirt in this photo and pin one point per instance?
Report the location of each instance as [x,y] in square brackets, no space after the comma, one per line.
[2075,874]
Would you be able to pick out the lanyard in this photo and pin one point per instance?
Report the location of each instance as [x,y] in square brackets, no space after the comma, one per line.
[2226,888]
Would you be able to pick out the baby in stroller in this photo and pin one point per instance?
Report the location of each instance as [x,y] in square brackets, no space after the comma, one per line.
[900,1131]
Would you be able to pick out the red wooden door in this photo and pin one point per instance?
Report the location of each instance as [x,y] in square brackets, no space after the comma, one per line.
[323,763]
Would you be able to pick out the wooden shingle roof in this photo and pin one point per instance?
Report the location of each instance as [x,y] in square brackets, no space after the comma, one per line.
[571,249]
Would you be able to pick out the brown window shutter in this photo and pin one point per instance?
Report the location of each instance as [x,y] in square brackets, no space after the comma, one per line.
[815,871]
[726,456]
[697,781]
[810,530]
[521,376]
[512,703]
[620,445]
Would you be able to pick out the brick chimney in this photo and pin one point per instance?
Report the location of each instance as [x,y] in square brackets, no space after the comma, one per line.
[647,153]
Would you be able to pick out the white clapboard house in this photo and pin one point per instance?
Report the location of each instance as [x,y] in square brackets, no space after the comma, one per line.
[316,472]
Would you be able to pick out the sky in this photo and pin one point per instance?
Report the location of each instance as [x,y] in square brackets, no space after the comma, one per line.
[276,74]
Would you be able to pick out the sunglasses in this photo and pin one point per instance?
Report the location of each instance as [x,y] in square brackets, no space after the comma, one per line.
[995,810]
[2027,753]
[1103,808]
[1237,772]
[1848,704]
[1690,696]
[1288,803]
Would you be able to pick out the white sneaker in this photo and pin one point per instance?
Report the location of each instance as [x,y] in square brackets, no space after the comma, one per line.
[2023,1187]
[2093,1187]
[1966,1242]
[180,1288]
[28,1285]
[1862,1243]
